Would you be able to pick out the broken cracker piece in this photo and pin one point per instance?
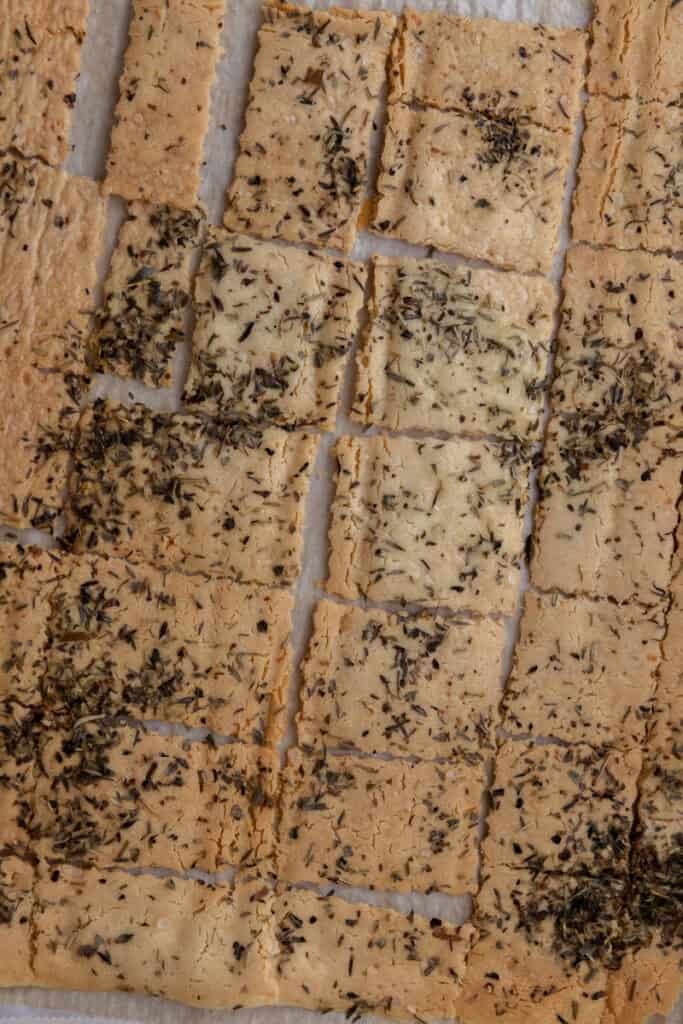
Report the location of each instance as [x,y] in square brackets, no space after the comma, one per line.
[162,114]
[434,522]
[273,329]
[303,164]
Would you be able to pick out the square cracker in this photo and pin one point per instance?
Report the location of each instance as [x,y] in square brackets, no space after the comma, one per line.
[146,293]
[162,114]
[562,809]
[16,900]
[303,163]
[374,824]
[40,58]
[170,489]
[432,522]
[472,185]
[49,221]
[636,50]
[336,955]
[630,175]
[273,328]
[454,349]
[536,957]
[606,518]
[584,671]
[503,69]
[135,641]
[620,347]
[177,938]
[418,686]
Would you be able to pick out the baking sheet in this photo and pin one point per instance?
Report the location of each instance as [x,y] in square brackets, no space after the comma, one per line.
[97,91]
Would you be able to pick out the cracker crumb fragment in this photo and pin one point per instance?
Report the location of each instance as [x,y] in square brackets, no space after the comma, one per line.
[273,329]
[303,164]
[437,523]
[162,113]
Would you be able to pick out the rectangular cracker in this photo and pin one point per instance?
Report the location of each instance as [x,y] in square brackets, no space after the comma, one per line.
[414,686]
[620,348]
[433,522]
[562,809]
[469,184]
[584,671]
[49,221]
[273,327]
[531,962]
[115,795]
[629,181]
[302,169]
[224,498]
[454,349]
[162,114]
[40,58]
[134,641]
[24,614]
[607,512]
[146,293]
[503,69]
[374,824]
[636,50]
[171,937]
[16,901]
[335,955]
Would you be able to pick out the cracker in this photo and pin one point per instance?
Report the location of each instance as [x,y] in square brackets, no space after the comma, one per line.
[16,900]
[473,185]
[162,114]
[659,834]
[171,937]
[146,293]
[537,933]
[273,329]
[49,221]
[636,50]
[564,809]
[629,191]
[404,826]
[40,58]
[607,512]
[176,490]
[21,732]
[335,955]
[438,523]
[24,614]
[419,686]
[620,348]
[454,349]
[647,983]
[303,164]
[503,69]
[584,671]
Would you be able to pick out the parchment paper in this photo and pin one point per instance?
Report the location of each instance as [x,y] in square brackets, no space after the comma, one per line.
[97,92]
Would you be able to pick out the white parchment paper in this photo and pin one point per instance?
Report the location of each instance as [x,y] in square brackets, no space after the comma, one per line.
[97,92]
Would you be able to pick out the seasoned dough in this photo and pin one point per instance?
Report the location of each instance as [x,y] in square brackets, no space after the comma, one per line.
[273,328]
[399,825]
[169,489]
[164,94]
[454,349]
[562,809]
[16,909]
[303,163]
[21,730]
[636,51]
[630,176]
[433,522]
[420,686]
[40,57]
[334,955]
[503,69]
[484,188]
[146,293]
[607,512]
[24,613]
[648,982]
[584,671]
